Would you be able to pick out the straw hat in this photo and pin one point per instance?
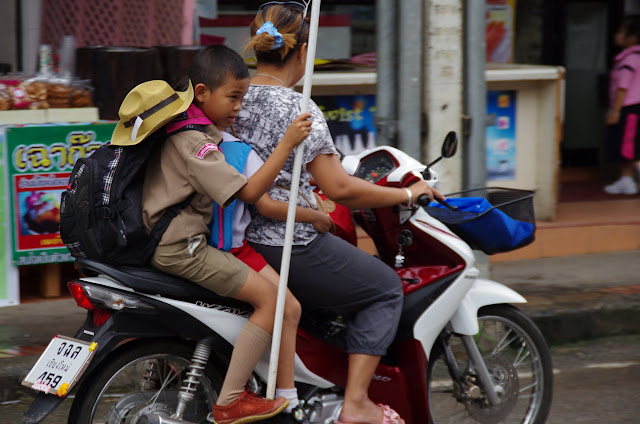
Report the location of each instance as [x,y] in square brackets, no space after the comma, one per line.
[146,108]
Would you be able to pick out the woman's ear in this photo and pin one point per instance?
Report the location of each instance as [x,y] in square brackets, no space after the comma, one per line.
[302,53]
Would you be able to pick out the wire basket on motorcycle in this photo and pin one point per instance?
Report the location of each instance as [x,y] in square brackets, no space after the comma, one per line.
[492,219]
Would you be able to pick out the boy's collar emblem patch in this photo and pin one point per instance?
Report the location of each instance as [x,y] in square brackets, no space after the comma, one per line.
[205,149]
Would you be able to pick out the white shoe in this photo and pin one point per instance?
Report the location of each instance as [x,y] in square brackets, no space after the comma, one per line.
[625,185]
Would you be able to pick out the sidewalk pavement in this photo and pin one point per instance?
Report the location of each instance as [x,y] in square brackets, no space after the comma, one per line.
[570,298]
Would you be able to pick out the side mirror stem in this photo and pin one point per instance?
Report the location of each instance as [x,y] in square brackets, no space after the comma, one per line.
[434,162]
[427,172]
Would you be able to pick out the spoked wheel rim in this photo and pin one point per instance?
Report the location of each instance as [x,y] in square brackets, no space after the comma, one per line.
[514,363]
[149,385]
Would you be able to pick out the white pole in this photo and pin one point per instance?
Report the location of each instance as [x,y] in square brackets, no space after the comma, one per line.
[291,211]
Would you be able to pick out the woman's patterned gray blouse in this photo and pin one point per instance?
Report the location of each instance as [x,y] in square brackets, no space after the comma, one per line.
[267,111]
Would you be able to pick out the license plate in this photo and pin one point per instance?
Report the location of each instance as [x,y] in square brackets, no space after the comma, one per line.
[60,366]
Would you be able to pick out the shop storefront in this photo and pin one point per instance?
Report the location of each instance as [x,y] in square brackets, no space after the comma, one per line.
[525,103]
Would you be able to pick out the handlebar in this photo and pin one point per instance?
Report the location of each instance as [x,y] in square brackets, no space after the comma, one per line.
[423,200]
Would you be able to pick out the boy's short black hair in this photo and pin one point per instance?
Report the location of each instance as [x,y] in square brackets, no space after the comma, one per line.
[214,64]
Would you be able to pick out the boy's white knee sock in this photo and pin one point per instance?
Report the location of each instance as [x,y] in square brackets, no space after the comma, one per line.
[291,395]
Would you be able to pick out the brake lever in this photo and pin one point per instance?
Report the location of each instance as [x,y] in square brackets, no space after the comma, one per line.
[447,205]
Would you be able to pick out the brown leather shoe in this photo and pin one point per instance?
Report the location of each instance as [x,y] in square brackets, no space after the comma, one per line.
[248,408]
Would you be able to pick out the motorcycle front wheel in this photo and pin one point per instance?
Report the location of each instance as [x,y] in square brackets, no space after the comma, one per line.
[518,362]
[139,384]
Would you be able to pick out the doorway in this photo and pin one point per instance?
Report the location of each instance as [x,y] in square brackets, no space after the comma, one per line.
[586,63]
[578,34]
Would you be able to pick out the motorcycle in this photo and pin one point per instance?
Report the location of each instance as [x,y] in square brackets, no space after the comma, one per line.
[154,348]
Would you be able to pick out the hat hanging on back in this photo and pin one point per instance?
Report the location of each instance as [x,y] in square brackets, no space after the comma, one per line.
[146,108]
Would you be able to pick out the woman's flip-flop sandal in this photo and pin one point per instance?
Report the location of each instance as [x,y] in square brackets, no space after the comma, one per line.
[390,416]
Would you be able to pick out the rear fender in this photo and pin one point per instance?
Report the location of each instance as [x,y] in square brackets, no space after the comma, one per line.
[120,328]
[482,293]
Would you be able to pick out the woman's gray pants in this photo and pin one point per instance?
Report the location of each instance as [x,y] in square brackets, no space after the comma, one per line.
[329,274]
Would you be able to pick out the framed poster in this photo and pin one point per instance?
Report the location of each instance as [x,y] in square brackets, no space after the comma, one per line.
[40,161]
[501,136]
[351,121]
[499,30]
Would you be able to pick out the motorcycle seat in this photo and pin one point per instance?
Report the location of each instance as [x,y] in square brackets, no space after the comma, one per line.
[149,280]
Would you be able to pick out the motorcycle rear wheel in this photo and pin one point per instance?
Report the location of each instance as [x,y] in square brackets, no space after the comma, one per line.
[144,379]
[518,361]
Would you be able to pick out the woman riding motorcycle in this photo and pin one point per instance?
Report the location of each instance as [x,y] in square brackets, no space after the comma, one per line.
[326,273]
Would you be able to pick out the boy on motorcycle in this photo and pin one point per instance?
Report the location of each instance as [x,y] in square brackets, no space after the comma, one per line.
[227,233]
[191,162]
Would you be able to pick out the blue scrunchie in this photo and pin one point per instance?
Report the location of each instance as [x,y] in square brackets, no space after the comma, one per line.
[272,31]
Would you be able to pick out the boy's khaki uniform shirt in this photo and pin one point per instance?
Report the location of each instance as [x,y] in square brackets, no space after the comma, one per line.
[188,161]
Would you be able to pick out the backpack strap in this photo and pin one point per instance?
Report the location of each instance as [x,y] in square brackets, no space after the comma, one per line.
[107,212]
[188,127]
[221,226]
[163,223]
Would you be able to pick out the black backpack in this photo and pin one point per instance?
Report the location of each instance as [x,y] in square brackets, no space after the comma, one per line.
[101,209]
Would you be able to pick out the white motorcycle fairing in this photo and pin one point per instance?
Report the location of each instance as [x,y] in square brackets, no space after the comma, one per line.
[464,318]
[483,292]
[228,326]
[225,323]
[459,304]
[350,163]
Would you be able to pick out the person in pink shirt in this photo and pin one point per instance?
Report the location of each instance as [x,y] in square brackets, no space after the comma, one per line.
[623,118]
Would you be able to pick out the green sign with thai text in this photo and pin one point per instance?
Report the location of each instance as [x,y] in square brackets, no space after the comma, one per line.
[40,159]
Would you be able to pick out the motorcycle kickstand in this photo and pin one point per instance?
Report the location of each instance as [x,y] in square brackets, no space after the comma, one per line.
[481,369]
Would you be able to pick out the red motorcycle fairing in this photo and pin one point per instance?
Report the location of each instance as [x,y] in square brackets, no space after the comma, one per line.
[400,378]
[426,259]
[403,386]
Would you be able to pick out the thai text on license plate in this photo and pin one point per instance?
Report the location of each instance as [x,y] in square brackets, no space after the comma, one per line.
[60,365]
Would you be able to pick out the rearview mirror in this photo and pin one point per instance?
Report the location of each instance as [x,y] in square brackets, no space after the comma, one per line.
[450,145]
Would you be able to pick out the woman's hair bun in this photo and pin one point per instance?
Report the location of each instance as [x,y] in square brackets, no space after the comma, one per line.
[263,42]
[288,22]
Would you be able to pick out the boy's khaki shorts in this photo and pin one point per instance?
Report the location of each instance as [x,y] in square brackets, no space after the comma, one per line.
[195,260]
